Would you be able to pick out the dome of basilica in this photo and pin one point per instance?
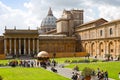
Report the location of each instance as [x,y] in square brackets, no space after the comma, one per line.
[50,20]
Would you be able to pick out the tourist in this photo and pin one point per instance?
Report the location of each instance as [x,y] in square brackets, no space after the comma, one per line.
[53,69]
[101,76]
[32,63]
[106,75]
[78,77]
[74,76]
[111,58]
[54,63]
[98,72]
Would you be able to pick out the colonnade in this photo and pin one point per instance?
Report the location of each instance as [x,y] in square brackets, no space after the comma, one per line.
[21,46]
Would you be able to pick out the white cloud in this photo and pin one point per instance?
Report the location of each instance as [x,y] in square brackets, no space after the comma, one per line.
[109,12]
[15,17]
[36,10]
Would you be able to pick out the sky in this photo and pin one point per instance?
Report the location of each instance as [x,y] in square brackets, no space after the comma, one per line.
[29,13]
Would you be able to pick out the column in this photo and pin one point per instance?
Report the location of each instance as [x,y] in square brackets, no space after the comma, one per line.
[96,49]
[104,49]
[37,45]
[15,46]
[118,47]
[24,46]
[33,46]
[10,46]
[29,46]
[107,50]
[5,47]
[90,48]
[114,51]
[19,46]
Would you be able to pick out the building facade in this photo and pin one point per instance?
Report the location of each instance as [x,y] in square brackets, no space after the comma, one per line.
[28,43]
[71,35]
[100,39]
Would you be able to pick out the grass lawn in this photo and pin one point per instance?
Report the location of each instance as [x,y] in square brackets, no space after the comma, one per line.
[4,61]
[62,60]
[19,73]
[113,68]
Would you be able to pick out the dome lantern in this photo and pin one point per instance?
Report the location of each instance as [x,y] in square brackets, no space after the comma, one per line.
[50,12]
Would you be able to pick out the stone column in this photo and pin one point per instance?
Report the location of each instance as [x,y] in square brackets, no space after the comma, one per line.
[104,49]
[107,45]
[10,46]
[5,47]
[24,45]
[15,46]
[90,48]
[37,45]
[115,46]
[118,47]
[29,46]
[97,48]
[19,46]
[33,45]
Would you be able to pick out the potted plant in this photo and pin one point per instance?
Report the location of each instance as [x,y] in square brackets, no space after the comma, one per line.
[87,73]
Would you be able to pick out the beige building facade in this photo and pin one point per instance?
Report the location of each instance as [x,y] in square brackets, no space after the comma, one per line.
[71,35]
[101,39]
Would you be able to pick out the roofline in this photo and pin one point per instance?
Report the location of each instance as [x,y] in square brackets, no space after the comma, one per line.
[90,22]
[110,22]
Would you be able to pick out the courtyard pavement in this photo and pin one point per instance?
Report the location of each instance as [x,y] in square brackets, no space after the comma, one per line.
[66,72]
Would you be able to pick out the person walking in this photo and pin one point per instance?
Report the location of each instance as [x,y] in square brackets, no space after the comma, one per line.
[106,75]
[74,76]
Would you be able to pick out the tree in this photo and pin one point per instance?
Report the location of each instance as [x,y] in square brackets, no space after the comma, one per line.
[87,73]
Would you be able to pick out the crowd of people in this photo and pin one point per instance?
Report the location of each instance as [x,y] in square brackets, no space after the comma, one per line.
[31,63]
[99,74]
[102,75]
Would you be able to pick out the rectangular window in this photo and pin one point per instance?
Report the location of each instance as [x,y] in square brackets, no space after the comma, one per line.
[101,50]
[111,50]
[100,32]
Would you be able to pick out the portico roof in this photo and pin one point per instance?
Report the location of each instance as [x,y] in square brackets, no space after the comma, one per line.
[14,31]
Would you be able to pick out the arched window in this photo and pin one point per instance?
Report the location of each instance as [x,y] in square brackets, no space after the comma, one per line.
[111,32]
[101,32]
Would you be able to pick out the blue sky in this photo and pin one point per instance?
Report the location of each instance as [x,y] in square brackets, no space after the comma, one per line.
[24,13]
[15,4]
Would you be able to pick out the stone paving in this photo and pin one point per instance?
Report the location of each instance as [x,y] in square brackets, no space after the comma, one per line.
[66,72]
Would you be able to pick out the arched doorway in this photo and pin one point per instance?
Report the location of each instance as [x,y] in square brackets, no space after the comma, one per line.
[101,49]
[93,49]
[86,47]
[111,48]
